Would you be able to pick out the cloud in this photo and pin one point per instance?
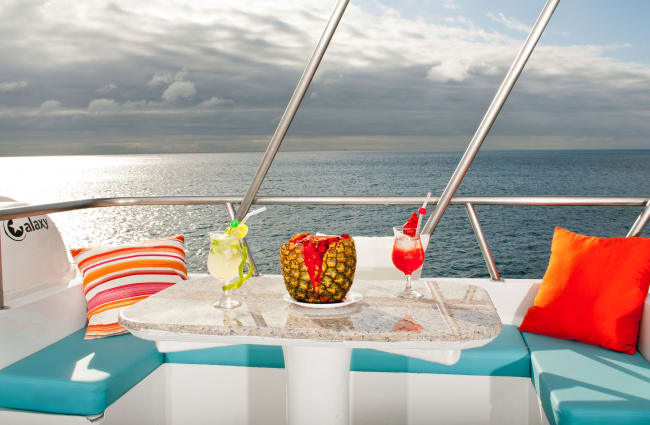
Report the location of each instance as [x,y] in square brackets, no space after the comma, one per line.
[459,20]
[50,105]
[165,78]
[215,101]
[178,87]
[179,90]
[12,86]
[386,73]
[330,77]
[449,70]
[102,105]
[451,4]
[160,78]
[107,88]
[181,75]
[511,23]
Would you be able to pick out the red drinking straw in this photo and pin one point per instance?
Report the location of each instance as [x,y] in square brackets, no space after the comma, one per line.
[421,212]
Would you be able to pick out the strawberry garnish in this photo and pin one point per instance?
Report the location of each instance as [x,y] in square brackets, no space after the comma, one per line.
[299,237]
[410,226]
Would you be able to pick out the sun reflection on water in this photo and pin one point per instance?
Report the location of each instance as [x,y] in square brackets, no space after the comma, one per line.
[519,236]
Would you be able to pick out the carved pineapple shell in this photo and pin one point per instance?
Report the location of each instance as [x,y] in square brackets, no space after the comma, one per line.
[339,264]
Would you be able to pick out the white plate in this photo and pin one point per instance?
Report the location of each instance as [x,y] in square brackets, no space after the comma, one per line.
[351,298]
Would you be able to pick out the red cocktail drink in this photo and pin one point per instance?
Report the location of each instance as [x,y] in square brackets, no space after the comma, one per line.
[408,255]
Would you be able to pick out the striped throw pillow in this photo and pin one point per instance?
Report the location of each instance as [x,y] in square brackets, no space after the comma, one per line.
[114,278]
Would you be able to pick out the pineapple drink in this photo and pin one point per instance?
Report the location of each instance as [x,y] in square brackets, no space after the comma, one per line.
[318,269]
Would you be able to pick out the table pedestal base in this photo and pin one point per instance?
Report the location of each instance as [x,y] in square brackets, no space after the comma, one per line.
[318,385]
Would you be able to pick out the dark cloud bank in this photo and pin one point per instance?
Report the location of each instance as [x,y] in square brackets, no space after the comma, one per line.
[132,82]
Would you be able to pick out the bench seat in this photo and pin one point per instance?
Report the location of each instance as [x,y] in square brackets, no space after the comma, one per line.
[247,355]
[577,383]
[581,384]
[507,355]
[76,376]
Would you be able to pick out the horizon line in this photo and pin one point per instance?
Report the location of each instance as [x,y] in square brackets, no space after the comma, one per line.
[327,150]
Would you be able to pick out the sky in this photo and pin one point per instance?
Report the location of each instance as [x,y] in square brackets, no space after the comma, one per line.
[159,76]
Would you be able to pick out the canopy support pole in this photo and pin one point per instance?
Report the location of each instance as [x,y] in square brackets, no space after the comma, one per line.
[640,222]
[490,116]
[2,295]
[292,108]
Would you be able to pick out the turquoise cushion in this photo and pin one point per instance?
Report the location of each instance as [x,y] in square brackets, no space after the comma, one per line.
[232,355]
[76,376]
[584,384]
[506,355]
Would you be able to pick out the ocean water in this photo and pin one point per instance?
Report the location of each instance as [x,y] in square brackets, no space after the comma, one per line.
[518,236]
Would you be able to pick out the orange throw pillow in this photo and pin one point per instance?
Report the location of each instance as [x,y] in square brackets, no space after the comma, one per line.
[593,291]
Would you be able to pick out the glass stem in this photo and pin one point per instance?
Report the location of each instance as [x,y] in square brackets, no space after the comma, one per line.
[408,284]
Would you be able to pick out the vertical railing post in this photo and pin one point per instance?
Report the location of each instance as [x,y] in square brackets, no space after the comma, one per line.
[2,290]
[482,243]
[231,214]
[640,222]
[292,108]
[490,116]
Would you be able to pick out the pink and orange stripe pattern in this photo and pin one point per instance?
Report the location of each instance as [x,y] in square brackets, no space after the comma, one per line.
[115,278]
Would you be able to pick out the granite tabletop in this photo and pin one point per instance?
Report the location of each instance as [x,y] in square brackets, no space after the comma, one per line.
[450,315]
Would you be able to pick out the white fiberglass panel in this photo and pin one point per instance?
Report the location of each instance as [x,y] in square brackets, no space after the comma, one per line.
[34,256]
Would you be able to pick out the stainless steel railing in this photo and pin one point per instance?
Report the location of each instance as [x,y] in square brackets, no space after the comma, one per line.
[490,115]
[468,201]
[2,295]
[640,222]
[17,212]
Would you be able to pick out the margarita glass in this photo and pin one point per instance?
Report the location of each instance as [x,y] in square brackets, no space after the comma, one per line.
[408,256]
[228,257]
[224,262]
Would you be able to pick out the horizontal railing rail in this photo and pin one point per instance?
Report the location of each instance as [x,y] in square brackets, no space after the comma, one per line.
[468,201]
[18,212]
